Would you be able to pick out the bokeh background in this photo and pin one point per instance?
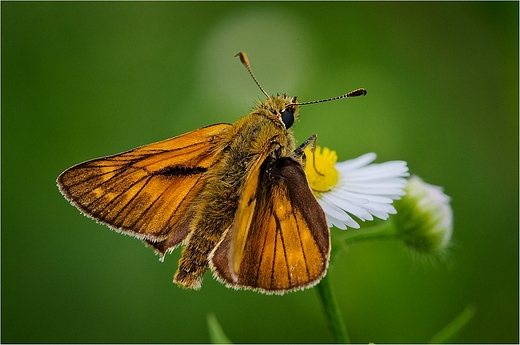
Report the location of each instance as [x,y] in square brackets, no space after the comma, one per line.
[84,80]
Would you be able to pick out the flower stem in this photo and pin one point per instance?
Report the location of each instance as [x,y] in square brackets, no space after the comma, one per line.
[384,230]
[327,298]
[332,313]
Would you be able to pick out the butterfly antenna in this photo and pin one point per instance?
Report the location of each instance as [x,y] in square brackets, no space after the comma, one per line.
[355,93]
[245,62]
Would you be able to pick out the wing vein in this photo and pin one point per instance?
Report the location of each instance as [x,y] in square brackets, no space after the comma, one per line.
[149,178]
[261,258]
[301,243]
[82,181]
[109,190]
[279,230]
[183,199]
[116,174]
[123,210]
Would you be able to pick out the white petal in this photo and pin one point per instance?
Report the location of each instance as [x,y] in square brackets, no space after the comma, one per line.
[331,210]
[357,162]
[334,210]
[364,190]
[352,207]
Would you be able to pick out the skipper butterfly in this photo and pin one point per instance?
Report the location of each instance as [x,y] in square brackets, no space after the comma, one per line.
[235,195]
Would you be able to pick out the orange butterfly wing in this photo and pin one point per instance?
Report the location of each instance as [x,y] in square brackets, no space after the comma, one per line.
[146,192]
[286,240]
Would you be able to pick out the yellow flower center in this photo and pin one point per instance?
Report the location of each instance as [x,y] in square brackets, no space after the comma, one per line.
[320,170]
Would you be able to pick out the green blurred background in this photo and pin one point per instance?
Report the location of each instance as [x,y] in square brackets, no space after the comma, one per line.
[83,80]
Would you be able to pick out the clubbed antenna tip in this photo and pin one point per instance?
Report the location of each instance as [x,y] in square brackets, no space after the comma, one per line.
[245,61]
[355,93]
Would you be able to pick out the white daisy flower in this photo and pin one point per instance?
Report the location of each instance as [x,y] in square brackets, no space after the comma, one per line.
[354,187]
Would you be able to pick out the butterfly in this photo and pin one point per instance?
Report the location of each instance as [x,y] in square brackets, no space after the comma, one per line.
[235,195]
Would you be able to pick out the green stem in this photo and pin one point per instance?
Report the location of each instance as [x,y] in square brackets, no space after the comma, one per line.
[384,230]
[328,300]
[332,313]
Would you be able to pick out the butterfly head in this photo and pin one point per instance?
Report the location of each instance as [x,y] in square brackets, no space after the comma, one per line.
[281,109]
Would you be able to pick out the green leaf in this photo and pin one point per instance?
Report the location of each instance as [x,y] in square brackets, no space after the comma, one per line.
[216,333]
[445,334]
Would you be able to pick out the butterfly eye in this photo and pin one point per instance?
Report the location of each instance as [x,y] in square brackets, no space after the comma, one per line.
[287,117]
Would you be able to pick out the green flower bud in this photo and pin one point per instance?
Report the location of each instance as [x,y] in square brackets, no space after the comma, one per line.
[424,218]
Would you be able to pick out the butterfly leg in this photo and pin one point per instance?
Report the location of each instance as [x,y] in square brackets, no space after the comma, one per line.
[299,152]
[205,234]
[191,269]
